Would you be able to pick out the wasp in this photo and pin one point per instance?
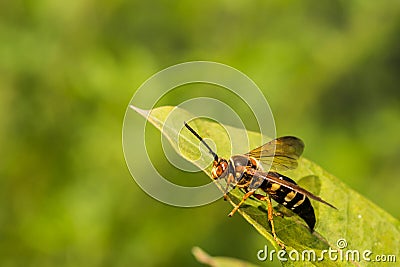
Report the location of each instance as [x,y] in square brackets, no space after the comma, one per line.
[246,172]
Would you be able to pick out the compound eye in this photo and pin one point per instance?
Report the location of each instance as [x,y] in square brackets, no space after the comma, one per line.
[219,169]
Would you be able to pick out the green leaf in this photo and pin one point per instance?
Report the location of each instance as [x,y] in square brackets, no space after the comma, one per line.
[360,222]
[203,257]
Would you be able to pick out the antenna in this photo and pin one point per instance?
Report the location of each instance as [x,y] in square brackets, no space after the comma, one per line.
[201,140]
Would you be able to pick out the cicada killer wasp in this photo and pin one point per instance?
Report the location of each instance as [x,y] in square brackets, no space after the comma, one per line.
[246,172]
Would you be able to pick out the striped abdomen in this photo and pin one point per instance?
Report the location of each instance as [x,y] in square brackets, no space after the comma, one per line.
[298,203]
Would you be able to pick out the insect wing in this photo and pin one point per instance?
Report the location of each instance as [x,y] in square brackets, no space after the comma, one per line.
[281,153]
[274,178]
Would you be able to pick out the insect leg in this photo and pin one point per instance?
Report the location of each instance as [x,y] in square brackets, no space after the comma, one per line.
[260,197]
[229,180]
[264,198]
[271,221]
[248,194]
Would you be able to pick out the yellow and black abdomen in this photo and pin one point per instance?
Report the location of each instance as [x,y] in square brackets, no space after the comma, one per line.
[297,202]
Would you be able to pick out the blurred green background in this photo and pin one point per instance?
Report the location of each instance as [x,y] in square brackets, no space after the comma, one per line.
[329,69]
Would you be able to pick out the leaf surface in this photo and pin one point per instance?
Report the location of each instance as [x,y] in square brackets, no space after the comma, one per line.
[358,221]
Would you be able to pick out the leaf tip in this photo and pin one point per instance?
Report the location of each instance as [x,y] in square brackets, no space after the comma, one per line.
[142,112]
[201,256]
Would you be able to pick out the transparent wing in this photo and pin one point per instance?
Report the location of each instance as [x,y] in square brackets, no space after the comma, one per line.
[281,153]
[274,178]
